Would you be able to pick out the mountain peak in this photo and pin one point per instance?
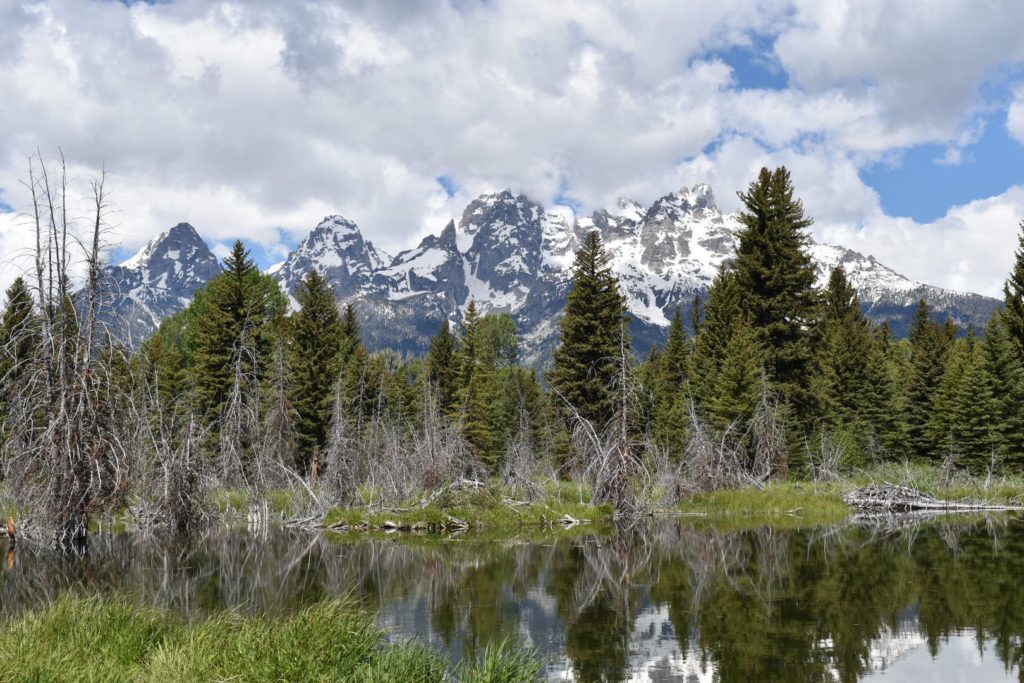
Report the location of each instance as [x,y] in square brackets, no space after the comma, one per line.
[697,197]
[335,224]
[168,245]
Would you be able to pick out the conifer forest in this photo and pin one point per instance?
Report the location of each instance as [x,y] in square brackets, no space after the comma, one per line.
[775,380]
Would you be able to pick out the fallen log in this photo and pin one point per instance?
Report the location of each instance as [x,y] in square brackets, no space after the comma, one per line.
[895,498]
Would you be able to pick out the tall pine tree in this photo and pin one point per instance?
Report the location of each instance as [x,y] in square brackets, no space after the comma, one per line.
[18,341]
[776,277]
[315,362]
[668,375]
[1013,292]
[1004,374]
[586,363]
[442,370]
[477,390]
[929,345]
[721,314]
[239,310]
[845,368]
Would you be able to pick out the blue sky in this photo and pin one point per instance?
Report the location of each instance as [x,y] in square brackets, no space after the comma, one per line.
[900,120]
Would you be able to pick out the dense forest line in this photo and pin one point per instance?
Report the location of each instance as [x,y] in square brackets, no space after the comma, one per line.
[776,379]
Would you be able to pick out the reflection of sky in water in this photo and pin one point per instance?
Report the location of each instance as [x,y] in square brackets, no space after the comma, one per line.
[844,602]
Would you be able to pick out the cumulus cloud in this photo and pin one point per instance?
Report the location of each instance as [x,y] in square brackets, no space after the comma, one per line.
[255,119]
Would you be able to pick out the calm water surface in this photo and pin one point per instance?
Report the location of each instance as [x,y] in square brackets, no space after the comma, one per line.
[939,601]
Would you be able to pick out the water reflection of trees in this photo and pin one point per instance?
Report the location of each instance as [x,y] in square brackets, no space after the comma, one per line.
[756,605]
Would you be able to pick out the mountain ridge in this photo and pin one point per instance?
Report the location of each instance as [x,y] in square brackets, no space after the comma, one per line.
[512,255]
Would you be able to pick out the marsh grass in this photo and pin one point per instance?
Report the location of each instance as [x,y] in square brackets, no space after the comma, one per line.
[113,639]
[485,509]
[794,504]
[789,504]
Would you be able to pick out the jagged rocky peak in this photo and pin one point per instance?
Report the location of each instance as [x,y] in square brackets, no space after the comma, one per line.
[559,239]
[501,236]
[337,249]
[157,281]
[495,209]
[180,245]
[435,266]
[686,225]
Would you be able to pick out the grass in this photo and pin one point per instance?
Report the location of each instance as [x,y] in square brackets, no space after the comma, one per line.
[113,639]
[482,509]
[790,504]
[803,503]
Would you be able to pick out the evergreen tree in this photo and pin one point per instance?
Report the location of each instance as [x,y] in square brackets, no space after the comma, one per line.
[1004,374]
[776,276]
[722,312]
[498,339]
[1013,292]
[929,345]
[351,338]
[585,363]
[845,369]
[668,373]
[961,419]
[882,408]
[442,370]
[477,389]
[740,379]
[317,341]
[18,340]
[238,310]
[470,350]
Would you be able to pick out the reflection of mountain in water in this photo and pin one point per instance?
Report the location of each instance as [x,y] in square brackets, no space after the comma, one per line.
[662,603]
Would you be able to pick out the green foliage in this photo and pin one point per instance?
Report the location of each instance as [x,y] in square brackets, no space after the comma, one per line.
[498,340]
[18,341]
[929,345]
[1004,374]
[721,313]
[520,398]
[112,640]
[317,342]
[851,375]
[477,390]
[442,368]
[776,276]
[882,407]
[667,379]
[594,332]
[740,380]
[1013,292]
[238,309]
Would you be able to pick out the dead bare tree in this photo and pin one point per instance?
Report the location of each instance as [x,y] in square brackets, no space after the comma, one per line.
[69,455]
[239,423]
[523,469]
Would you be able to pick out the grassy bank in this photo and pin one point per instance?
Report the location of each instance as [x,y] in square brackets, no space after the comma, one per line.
[779,503]
[93,639]
[494,509]
[804,503]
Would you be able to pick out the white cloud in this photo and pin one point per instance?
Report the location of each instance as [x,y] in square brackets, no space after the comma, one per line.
[255,119]
[1015,115]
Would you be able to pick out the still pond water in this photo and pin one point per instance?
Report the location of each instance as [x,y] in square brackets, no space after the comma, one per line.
[668,601]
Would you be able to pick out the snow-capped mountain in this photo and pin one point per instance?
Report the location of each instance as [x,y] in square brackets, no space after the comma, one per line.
[511,255]
[338,250]
[158,281]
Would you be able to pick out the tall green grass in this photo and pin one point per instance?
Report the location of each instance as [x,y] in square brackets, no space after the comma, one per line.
[113,639]
[481,508]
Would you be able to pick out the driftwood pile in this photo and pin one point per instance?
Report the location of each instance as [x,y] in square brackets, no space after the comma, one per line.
[886,497]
